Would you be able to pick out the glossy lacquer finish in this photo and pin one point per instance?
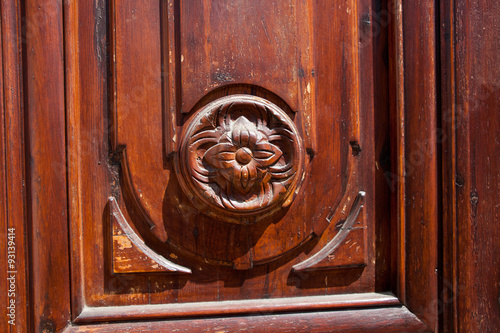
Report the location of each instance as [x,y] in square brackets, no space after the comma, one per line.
[284,166]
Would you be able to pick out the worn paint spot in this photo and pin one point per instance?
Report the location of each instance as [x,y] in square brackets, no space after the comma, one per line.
[123,242]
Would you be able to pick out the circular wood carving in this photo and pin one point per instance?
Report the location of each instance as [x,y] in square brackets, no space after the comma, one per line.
[240,158]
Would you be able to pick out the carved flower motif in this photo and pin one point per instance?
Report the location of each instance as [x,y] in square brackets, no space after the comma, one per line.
[241,154]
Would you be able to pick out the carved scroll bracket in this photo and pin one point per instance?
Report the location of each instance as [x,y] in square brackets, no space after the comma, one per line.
[311,262]
[139,256]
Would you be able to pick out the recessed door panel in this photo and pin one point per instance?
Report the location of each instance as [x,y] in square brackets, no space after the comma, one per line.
[242,140]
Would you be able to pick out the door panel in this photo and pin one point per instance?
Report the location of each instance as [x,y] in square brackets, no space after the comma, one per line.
[241,156]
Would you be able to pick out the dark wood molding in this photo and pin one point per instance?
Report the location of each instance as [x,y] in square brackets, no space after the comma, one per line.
[236,308]
[13,210]
[86,102]
[44,83]
[417,167]
[383,320]
[470,117]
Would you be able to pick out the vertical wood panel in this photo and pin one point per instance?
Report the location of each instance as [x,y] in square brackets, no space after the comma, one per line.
[12,181]
[44,82]
[420,159]
[3,199]
[448,264]
[86,36]
[477,179]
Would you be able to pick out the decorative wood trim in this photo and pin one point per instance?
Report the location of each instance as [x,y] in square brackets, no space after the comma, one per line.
[377,320]
[470,62]
[86,102]
[227,308]
[138,243]
[13,210]
[448,262]
[397,180]
[46,175]
[171,68]
[332,245]
[240,156]
[417,195]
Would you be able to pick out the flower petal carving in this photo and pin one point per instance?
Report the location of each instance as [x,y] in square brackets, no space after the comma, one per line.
[221,155]
[245,161]
[244,132]
[267,154]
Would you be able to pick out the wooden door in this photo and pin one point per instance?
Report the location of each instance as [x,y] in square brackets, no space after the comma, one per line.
[178,165]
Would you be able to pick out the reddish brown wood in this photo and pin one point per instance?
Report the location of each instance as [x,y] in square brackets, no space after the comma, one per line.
[394,319]
[12,175]
[333,88]
[395,177]
[448,264]
[262,34]
[158,208]
[130,253]
[46,150]
[87,135]
[3,198]
[324,257]
[138,109]
[419,199]
[246,307]
[241,159]
[471,91]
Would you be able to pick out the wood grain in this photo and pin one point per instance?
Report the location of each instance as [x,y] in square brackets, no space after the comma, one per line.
[471,92]
[130,253]
[88,137]
[393,319]
[46,150]
[322,259]
[243,307]
[420,196]
[13,212]
[151,192]
[102,96]
[252,42]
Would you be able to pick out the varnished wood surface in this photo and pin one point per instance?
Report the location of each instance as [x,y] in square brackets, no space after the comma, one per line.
[230,261]
[419,202]
[471,165]
[13,213]
[160,207]
[46,150]
[57,112]
[393,319]
[86,103]
[237,308]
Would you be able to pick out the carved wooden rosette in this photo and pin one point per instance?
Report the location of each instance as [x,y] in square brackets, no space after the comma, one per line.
[240,159]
